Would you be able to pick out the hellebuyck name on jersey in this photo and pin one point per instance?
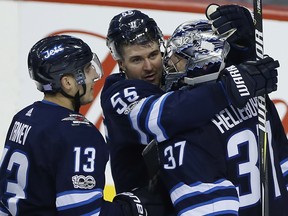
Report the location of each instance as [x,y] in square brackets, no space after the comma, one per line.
[228,118]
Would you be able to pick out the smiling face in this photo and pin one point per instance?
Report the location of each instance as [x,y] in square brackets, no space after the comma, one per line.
[143,62]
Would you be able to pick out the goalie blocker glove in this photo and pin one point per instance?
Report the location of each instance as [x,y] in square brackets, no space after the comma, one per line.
[249,79]
[236,23]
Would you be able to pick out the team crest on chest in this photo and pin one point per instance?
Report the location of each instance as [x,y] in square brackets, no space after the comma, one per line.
[77,119]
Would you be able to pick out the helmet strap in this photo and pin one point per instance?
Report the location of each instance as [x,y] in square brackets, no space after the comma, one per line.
[84,90]
[77,102]
[76,98]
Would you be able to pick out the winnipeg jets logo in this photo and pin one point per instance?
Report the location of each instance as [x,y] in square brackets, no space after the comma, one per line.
[53,51]
[77,119]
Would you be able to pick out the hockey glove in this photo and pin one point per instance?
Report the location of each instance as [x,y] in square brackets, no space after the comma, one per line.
[130,204]
[249,79]
[236,23]
[142,201]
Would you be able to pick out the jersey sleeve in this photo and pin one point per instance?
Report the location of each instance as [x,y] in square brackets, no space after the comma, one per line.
[3,210]
[153,113]
[175,112]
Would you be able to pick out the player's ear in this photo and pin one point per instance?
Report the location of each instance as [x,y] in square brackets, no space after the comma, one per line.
[121,65]
[67,82]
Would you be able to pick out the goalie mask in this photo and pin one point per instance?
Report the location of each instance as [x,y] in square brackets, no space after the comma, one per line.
[52,57]
[193,55]
[131,27]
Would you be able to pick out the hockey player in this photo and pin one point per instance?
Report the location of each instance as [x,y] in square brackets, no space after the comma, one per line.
[196,164]
[54,159]
[134,40]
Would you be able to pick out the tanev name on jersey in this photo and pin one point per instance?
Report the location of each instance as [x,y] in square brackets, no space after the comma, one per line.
[229,118]
[19,132]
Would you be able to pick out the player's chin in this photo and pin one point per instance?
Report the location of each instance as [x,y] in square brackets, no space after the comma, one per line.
[156,82]
[153,81]
[86,99]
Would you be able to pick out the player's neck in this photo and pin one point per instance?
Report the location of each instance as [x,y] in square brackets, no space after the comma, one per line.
[60,100]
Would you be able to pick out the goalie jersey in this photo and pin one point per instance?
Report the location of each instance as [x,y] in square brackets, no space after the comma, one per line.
[53,163]
[120,99]
[198,166]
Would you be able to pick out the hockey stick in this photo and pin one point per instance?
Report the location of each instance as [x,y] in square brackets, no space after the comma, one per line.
[262,135]
[152,161]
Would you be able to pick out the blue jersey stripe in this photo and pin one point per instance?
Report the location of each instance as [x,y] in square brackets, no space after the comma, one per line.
[71,199]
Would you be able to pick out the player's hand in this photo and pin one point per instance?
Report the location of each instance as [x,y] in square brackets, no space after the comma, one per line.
[131,204]
[144,202]
[249,79]
[232,19]
[235,23]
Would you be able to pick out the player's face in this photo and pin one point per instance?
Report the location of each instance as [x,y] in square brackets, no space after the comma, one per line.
[91,76]
[177,64]
[142,62]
